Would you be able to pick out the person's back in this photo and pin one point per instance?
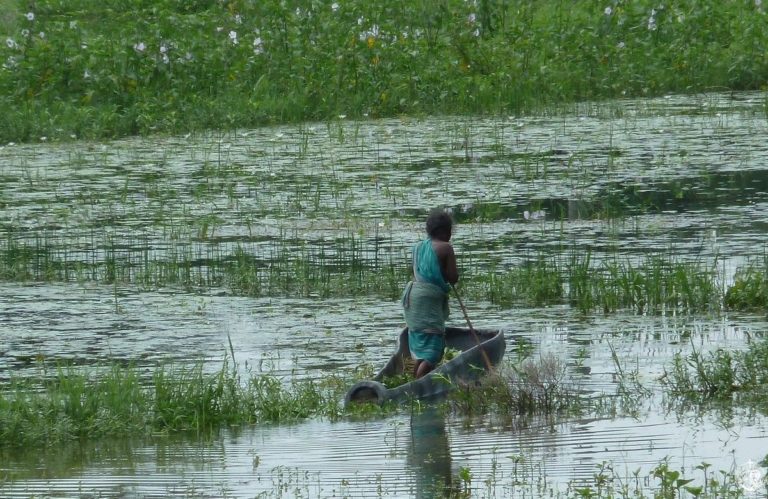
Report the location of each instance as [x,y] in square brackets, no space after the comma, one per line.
[425,298]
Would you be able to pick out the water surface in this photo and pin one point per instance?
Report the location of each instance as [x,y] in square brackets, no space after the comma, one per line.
[685,175]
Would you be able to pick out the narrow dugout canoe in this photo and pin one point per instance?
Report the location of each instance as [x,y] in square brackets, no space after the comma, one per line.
[466,367]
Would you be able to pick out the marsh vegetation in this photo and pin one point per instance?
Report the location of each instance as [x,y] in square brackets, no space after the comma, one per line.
[137,67]
[205,218]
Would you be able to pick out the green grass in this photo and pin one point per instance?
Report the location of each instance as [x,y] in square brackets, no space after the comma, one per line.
[750,288]
[119,401]
[137,67]
[732,377]
[71,404]
[10,16]
[663,481]
[350,266]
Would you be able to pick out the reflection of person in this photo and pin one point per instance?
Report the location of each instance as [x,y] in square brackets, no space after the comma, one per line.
[425,298]
[430,454]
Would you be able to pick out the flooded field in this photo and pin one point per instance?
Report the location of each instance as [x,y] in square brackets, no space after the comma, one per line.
[115,252]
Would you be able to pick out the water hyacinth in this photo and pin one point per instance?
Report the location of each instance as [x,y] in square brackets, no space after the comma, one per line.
[487,80]
[258,45]
[652,21]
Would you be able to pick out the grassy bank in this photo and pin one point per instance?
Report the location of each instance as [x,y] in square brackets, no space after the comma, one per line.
[89,69]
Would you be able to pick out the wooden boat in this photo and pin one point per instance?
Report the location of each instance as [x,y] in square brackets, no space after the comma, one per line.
[466,367]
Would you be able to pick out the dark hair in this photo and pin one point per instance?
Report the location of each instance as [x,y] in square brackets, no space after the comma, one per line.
[438,220]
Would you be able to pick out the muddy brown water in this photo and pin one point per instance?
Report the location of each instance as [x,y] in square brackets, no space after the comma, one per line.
[685,174]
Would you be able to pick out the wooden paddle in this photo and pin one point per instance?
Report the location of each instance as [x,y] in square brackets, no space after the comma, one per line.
[472,330]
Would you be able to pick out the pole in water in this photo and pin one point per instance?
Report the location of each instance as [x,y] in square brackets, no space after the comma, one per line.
[472,330]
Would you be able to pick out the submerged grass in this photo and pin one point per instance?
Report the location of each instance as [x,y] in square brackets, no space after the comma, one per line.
[138,66]
[663,481]
[527,387]
[656,285]
[733,377]
[119,401]
[750,287]
[351,266]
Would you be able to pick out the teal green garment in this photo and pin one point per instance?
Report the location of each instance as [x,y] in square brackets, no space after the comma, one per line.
[426,346]
[426,266]
[425,307]
[425,304]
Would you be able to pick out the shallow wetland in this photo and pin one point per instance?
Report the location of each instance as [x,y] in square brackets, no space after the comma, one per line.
[291,243]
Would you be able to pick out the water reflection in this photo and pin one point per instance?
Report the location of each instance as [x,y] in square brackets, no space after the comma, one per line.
[429,454]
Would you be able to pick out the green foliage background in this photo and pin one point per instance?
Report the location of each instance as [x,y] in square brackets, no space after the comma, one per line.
[93,69]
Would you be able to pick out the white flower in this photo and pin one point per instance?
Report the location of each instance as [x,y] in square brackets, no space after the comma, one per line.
[25,33]
[360,21]
[258,46]
[163,49]
[472,17]
[621,45]
[476,32]
[238,19]
[165,59]
[10,63]
[72,24]
[371,33]
[139,47]
[30,16]
[652,21]
[41,34]
[608,11]
[86,74]
[233,37]
[758,3]
[11,43]
[334,6]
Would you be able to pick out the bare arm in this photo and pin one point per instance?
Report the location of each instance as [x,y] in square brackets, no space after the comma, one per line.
[447,259]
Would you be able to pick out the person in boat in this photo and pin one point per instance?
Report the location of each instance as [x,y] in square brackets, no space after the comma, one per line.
[425,298]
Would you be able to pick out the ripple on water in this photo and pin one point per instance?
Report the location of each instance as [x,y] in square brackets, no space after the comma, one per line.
[687,175]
